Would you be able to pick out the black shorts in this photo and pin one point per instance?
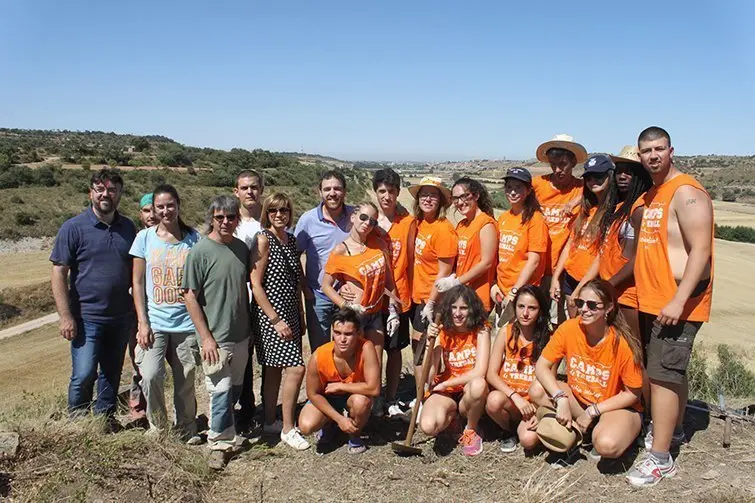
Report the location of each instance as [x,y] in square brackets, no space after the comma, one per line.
[668,348]
[568,283]
[418,323]
[400,339]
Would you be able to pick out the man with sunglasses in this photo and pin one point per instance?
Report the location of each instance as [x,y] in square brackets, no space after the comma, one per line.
[96,309]
[317,232]
[217,298]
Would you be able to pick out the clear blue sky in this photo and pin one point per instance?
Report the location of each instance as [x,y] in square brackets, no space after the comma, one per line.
[395,80]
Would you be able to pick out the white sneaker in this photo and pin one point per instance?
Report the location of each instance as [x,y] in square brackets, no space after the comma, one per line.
[396,410]
[294,439]
[273,428]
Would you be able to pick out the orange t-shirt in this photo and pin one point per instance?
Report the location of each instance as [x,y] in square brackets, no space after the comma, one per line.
[517,368]
[583,250]
[470,253]
[434,241]
[552,201]
[326,365]
[655,282]
[515,240]
[459,353]
[397,240]
[612,259]
[595,373]
[368,268]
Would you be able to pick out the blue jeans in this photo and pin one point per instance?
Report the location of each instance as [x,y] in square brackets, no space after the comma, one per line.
[103,345]
[320,312]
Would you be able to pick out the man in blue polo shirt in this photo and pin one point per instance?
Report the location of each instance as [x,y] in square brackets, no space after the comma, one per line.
[318,231]
[96,309]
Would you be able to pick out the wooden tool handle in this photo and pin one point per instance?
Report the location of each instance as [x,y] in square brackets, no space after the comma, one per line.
[430,345]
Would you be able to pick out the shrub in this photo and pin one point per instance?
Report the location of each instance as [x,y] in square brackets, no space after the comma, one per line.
[498,197]
[740,233]
[729,195]
[24,218]
[731,375]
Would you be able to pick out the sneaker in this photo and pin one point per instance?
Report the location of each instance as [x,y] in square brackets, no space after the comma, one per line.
[378,407]
[273,428]
[594,455]
[326,434]
[564,459]
[508,443]
[650,471]
[396,409]
[408,416]
[217,460]
[677,439]
[471,442]
[295,440]
[356,445]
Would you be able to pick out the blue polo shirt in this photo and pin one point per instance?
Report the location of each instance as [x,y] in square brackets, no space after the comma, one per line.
[98,255]
[317,237]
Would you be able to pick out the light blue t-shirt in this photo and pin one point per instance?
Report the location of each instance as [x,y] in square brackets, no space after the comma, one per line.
[166,306]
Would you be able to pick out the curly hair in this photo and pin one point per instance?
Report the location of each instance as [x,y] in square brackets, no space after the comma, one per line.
[542,331]
[474,187]
[477,317]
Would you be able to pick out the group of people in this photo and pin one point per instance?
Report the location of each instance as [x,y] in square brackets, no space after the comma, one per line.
[625,253]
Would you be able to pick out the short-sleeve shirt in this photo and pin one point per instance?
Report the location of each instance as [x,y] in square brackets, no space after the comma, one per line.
[594,373]
[515,241]
[517,368]
[316,237]
[100,265]
[247,231]
[470,254]
[369,269]
[552,201]
[219,274]
[164,270]
[436,240]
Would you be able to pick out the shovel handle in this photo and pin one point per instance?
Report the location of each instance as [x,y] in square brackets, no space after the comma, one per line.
[421,383]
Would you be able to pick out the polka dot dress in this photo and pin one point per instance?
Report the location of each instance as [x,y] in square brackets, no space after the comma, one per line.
[280,282]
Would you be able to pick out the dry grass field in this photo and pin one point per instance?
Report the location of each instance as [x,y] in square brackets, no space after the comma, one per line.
[22,269]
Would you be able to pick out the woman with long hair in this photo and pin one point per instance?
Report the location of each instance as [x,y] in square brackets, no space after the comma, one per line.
[457,370]
[522,241]
[599,199]
[362,262]
[165,330]
[603,369]
[477,240]
[278,316]
[511,372]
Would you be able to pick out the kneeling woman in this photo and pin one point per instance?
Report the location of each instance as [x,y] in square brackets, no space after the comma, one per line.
[511,372]
[462,348]
[604,372]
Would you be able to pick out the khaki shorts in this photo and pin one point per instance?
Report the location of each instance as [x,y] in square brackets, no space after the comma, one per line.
[668,348]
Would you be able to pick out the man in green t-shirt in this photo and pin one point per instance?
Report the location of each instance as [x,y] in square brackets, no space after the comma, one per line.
[215,287]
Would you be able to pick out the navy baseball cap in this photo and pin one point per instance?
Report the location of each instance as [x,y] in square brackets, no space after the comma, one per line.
[521,174]
[598,164]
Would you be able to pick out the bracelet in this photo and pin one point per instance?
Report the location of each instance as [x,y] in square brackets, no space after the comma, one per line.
[558,394]
[595,409]
[275,320]
[511,394]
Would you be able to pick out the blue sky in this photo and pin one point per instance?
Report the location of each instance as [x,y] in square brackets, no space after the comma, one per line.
[393,80]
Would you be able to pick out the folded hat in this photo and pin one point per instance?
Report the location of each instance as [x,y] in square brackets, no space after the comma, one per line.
[553,435]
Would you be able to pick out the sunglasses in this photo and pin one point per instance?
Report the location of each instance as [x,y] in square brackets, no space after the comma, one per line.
[463,197]
[364,218]
[284,211]
[219,218]
[592,305]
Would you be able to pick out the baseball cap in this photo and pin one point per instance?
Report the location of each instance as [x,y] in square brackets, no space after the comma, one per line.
[598,164]
[521,174]
[145,200]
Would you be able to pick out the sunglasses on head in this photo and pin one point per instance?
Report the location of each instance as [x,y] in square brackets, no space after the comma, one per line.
[365,217]
[220,218]
[284,210]
[592,305]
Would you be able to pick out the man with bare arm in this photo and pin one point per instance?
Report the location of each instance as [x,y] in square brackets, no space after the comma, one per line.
[674,276]
[342,375]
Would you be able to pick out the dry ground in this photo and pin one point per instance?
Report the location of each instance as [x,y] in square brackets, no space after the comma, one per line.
[21,269]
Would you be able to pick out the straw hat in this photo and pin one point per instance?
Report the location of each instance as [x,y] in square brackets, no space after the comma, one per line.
[629,153]
[432,181]
[565,142]
[555,436]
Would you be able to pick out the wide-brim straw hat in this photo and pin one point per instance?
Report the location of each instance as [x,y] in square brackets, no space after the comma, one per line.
[629,153]
[565,142]
[432,181]
[554,435]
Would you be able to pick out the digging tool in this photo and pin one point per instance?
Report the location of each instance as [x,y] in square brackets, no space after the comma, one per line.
[404,448]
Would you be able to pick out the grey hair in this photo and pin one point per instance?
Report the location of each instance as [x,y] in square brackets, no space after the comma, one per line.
[227,204]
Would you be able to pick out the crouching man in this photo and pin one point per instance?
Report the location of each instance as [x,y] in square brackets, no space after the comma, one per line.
[341,375]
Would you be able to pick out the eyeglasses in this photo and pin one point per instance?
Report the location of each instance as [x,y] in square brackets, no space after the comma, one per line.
[428,195]
[364,218]
[592,305]
[100,189]
[282,211]
[220,218]
[463,197]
